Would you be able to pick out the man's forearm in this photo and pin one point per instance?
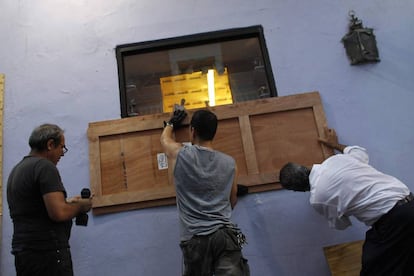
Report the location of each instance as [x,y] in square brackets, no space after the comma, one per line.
[167,135]
[339,147]
[168,143]
[331,140]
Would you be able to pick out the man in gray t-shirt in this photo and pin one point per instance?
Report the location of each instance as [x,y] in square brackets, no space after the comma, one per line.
[206,191]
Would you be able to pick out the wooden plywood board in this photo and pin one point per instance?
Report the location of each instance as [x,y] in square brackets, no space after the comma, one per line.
[344,259]
[261,135]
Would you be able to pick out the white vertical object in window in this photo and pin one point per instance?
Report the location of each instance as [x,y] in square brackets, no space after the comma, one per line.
[211,89]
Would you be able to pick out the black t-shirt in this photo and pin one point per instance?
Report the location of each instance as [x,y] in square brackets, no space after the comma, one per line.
[29,180]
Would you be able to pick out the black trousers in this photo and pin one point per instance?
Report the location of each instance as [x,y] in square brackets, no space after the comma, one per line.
[389,245]
[44,263]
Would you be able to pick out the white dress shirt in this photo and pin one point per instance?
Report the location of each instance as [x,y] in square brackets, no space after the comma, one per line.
[346,185]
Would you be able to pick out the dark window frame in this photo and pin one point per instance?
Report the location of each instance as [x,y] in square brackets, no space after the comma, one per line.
[125,50]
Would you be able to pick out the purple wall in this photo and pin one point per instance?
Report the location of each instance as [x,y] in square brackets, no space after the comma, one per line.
[60,67]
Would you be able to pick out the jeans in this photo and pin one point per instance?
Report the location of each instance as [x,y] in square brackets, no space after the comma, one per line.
[217,254]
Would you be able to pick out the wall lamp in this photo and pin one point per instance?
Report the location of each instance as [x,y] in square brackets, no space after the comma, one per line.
[360,43]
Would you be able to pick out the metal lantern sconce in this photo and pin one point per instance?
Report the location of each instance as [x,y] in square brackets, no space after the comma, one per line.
[360,43]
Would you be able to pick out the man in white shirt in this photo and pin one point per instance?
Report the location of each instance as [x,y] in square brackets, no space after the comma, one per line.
[346,185]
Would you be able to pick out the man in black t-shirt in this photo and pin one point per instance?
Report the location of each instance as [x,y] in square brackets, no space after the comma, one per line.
[41,213]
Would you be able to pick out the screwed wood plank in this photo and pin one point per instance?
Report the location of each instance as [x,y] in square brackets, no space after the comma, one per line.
[248,145]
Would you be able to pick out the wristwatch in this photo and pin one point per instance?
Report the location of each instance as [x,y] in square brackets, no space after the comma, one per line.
[168,124]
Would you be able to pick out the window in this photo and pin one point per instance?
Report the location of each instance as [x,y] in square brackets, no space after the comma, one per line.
[207,69]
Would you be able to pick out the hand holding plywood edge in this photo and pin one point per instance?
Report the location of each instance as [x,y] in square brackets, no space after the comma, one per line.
[330,139]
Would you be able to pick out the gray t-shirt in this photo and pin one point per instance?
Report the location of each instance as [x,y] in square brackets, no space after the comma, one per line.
[203,178]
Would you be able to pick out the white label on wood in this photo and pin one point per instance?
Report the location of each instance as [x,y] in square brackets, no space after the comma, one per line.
[162,161]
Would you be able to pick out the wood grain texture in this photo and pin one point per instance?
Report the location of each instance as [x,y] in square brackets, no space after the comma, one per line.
[261,135]
[344,259]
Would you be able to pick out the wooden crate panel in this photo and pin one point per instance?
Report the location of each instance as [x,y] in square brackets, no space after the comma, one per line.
[229,140]
[261,135]
[293,130]
[111,166]
[128,162]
